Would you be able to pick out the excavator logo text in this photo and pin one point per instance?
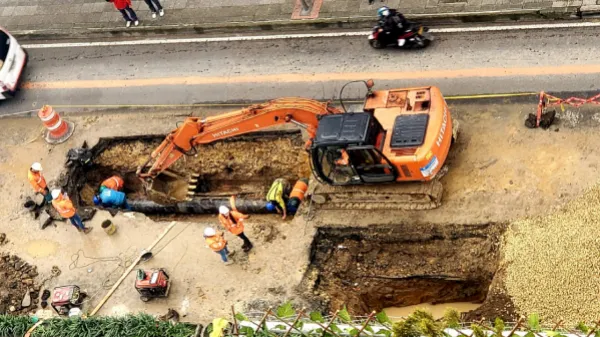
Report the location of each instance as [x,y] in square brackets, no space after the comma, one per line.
[443,128]
[225,132]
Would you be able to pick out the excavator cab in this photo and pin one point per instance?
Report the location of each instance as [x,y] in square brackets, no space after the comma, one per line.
[347,151]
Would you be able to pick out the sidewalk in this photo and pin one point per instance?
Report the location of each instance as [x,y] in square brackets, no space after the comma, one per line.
[84,16]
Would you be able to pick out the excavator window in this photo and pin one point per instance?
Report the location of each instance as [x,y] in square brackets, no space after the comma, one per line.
[371,165]
[333,166]
[337,165]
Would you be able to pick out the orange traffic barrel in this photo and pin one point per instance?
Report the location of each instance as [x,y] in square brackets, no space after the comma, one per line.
[299,189]
[58,130]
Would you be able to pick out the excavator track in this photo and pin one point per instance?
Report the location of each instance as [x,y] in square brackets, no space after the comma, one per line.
[398,196]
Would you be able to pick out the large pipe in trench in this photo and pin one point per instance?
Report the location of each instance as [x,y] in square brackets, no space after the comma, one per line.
[200,206]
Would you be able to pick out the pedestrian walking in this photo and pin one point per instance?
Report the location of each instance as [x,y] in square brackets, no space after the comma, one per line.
[233,221]
[37,181]
[277,196]
[124,6]
[155,8]
[63,204]
[216,242]
[114,183]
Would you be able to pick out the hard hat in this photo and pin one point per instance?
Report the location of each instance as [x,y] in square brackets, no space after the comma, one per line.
[224,210]
[209,231]
[96,200]
[55,193]
[383,11]
[36,166]
[270,206]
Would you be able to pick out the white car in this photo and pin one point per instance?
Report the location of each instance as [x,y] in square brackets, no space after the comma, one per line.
[12,63]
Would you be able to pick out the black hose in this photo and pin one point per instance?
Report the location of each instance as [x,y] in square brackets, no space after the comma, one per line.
[199,206]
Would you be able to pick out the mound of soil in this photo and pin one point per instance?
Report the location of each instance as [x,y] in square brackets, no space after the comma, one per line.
[17,279]
[271,155]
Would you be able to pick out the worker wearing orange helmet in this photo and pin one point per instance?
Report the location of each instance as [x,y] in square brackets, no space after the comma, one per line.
[64,206]
[233,221]
[37,181]
[113,183]
[216,242]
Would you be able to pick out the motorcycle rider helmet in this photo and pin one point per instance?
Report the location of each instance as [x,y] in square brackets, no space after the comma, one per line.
[270,206]
[383,11]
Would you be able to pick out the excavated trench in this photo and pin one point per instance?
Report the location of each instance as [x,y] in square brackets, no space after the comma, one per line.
[376,267]
[243,166]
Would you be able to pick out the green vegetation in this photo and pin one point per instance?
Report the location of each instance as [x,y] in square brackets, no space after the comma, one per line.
[127,326]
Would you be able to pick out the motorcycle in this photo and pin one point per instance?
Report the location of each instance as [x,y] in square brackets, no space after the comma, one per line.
[415,36]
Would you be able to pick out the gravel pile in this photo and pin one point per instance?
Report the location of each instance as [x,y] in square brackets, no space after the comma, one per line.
[553,262]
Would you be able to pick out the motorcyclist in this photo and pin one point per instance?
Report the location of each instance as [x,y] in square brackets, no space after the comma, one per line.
[391,21]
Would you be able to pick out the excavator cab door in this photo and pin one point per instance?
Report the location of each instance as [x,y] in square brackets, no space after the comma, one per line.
[339,165]
[371,165]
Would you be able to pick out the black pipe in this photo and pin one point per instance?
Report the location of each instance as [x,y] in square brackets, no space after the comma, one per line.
[199,206]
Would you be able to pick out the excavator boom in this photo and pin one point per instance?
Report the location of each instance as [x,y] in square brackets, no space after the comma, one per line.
[196,131]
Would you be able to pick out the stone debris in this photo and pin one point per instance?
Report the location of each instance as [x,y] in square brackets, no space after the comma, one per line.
[552,262]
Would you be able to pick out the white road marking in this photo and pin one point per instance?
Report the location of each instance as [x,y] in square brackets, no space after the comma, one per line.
[304,36]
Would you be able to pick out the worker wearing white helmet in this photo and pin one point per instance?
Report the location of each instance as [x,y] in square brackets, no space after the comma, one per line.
[37,181]
[233,221]
[64,206]
[216,242]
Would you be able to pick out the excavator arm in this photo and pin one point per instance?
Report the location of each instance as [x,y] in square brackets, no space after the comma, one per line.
[196,131]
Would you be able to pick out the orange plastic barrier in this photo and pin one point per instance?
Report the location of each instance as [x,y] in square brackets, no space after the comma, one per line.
[547,100]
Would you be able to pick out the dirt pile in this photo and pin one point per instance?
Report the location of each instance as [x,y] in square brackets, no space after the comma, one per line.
[266,154]
[244,165]
[17,279]
[553,262]
[372,268]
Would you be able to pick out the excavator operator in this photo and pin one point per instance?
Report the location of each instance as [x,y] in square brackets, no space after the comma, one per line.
[392,21]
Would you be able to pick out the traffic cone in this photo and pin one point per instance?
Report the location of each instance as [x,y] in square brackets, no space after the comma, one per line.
[58,130]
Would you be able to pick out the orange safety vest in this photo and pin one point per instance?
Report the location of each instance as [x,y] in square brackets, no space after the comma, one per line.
[64,206]
[114,183]
[235,226]
[37,181]
[216,243]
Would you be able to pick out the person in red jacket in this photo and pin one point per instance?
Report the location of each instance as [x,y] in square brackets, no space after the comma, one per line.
[124,6]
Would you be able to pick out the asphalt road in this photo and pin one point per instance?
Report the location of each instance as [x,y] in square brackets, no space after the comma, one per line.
[459,63]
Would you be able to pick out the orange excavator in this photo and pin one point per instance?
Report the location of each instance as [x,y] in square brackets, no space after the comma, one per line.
[401,135]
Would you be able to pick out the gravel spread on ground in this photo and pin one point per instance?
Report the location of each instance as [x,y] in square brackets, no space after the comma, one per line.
[553,262]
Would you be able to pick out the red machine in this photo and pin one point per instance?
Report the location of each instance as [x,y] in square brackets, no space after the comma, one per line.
[152,284]
[66,297]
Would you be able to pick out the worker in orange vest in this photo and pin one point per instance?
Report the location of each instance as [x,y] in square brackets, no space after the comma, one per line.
[64,207]
[233,221]
[216,242]
[113,183]
[37,181]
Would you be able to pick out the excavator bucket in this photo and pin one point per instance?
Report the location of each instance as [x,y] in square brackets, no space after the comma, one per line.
[168,187]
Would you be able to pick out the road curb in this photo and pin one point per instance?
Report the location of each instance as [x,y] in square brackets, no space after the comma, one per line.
[354,22]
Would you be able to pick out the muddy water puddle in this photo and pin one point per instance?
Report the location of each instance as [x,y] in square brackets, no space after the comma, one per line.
[437,310]
[41,248]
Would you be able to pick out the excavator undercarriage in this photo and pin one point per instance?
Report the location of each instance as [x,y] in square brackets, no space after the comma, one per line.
[406,196]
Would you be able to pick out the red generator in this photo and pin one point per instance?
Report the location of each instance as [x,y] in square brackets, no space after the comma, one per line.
[152,284]
[66,297]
